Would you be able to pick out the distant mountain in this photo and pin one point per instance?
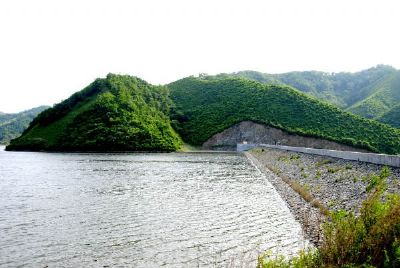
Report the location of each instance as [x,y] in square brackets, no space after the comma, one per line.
[391,117]
[116,113]
[12,125]
[384,96]
[369,93]
[210,104]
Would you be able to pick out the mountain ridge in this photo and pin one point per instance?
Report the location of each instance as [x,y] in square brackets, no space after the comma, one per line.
[369,93]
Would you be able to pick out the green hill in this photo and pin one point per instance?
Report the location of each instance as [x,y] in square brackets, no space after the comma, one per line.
[12,125]
[385,96]
[208,105]
[121,113]
[112,114]
[369,93]
[391,117]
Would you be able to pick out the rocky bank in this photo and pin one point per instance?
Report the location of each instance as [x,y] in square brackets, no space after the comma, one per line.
[334,183]
[259,133]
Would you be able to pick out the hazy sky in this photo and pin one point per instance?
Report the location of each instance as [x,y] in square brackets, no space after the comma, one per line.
[52,48]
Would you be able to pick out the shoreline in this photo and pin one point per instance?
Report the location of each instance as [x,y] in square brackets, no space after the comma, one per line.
[121,152]
[331,183]
[308,216]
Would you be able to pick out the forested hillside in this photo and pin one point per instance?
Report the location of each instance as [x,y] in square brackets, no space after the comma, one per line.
[12,125]
[392,117]
[121,113]
[117,113]
[385,96]
[369,93]
[208,105]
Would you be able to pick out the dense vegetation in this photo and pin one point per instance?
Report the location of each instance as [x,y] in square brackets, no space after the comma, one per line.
[368,240]
[392,117]
[369,93]
[126,113]
[208,105]
[113,114]
[385,97]
[12,125]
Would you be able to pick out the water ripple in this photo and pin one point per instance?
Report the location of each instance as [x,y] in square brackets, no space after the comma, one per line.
[139,210]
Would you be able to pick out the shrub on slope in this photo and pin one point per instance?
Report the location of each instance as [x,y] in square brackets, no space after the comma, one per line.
[392,117]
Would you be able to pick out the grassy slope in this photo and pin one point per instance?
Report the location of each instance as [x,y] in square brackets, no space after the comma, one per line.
[116,113]
[207,106]
[12,125]
[52,133]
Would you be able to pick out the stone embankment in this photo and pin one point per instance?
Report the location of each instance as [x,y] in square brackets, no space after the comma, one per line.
[333,183]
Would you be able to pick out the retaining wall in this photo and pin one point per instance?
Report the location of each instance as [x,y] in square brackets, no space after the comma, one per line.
[381,159]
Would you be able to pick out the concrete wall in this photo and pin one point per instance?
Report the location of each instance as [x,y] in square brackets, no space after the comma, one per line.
[381,159]
[245,147]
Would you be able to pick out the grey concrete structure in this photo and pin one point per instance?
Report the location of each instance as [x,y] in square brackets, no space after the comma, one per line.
[381,159]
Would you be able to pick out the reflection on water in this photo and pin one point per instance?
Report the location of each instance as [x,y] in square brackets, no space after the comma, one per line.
[139,210]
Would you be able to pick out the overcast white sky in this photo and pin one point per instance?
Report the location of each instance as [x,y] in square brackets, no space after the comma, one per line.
[50,49]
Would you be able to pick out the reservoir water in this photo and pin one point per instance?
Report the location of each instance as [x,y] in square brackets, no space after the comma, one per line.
[139,210]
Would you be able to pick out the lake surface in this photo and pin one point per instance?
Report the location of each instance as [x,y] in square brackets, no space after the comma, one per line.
[139,210]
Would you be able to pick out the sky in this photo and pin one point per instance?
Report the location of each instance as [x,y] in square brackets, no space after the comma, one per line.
[50,49]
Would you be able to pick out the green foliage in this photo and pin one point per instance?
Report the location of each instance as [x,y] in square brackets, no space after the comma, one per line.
[304,175]
[378,181]
[253,75]
[369,240]
[283,158]
[369,93]
[348,166]
[45,137]
[333,169]
[323,162]
[386,95]
[114,114]
[63,108]
[204,106]
[208,105]
[12,125]
[294,157]
[392,117]
[305,259]
[340,89]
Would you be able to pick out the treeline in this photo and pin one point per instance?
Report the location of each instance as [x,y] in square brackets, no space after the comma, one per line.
[392,117]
